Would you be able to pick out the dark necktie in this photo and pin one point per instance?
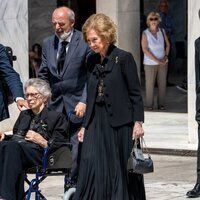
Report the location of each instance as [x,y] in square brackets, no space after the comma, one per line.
[61,58]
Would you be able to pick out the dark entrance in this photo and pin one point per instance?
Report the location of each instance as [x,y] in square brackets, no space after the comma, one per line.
[82,8]
[176,99]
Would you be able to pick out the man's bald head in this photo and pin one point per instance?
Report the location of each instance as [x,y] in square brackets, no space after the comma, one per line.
[63,19]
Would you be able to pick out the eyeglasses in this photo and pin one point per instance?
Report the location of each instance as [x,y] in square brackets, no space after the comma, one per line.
[153,19]
[32,95]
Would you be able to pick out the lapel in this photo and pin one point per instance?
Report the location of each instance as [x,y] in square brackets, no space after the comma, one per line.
[112,58]
[72,46]
[44,114]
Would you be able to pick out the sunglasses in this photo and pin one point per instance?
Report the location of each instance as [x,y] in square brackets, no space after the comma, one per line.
[153,19]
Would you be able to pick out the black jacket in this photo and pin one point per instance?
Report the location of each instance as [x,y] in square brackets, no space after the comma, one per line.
[123,98]
[12,79]
[54,123]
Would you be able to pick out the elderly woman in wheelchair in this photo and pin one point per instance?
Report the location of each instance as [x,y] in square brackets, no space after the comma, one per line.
[32,131]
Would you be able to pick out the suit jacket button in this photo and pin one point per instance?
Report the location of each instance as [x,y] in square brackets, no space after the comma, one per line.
[109,105]
[111,114]
[106,94]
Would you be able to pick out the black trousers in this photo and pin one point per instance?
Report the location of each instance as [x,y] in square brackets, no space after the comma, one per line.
[73,130]
[198,121]
[15,158]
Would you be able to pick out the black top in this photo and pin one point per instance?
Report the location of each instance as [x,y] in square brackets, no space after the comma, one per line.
[121,87]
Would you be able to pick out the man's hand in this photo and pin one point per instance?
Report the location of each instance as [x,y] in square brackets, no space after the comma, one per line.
[81,134]
[80,109]
[2,136]
[21,103]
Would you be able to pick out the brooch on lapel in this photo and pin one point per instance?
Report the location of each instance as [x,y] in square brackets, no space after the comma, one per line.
[116,60]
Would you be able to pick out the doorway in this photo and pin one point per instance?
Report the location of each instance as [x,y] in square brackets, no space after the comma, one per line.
[176,98]
[82,9]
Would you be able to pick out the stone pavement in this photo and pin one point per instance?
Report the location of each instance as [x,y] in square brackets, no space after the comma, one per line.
[173,176]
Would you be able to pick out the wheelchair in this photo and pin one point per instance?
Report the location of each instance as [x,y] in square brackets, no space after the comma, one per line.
[56,163]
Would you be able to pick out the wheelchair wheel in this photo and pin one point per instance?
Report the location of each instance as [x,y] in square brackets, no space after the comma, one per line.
[69,194]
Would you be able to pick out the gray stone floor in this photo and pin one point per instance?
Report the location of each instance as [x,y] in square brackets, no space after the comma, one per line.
[172,178]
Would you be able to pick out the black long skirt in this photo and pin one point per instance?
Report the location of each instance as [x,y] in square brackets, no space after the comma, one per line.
[105,152]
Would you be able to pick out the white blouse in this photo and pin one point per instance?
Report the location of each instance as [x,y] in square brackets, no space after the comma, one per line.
[155,45]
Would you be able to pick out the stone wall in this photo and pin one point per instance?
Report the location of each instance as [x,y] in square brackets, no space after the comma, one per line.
[39,17]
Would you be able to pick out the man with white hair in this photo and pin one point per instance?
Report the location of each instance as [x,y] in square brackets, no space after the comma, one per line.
[64,56]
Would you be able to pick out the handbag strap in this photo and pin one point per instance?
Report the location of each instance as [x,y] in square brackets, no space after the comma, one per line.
[143,145]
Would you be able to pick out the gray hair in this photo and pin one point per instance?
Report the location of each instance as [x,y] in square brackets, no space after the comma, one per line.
[40,85]
[71,15]
[69,11]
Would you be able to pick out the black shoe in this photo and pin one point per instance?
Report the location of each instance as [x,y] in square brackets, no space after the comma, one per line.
[195,192]
[161,108]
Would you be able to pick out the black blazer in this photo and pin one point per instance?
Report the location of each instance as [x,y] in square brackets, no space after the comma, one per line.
[11,77]
[56,124]
[123,98]
[69,88]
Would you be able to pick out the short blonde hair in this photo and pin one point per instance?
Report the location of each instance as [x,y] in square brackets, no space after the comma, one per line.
[153,14]
[103,25]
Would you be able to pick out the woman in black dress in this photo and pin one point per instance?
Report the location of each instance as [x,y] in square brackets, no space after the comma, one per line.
[113,117]
[31,133]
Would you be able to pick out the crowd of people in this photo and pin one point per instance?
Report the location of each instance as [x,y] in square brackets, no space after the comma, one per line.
[77,73]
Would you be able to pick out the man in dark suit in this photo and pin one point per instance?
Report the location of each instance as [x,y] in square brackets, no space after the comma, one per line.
[195,192]
[167,24]
[12,79]
[63,65]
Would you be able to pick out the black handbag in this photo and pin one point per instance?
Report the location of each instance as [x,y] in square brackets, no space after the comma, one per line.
[137,163]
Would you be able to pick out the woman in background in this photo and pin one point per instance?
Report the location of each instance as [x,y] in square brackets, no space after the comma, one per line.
[155,46]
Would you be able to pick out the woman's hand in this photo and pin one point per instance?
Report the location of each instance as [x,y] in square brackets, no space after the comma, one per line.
[2,136]
[161,62]
[137,130]
[81,134]
[35,137]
